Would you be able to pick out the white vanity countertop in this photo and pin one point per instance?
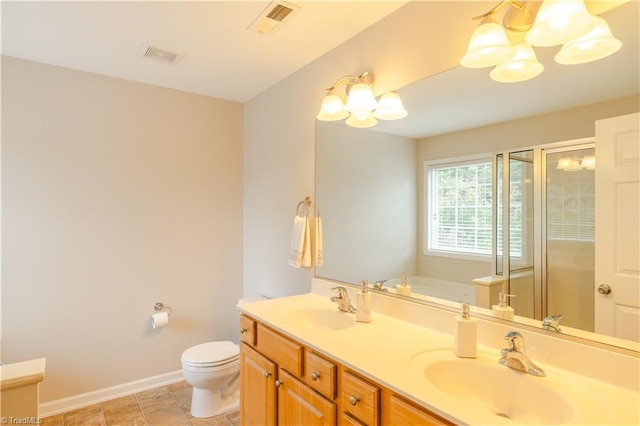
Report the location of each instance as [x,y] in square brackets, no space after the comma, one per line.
[384,348]
[20,374]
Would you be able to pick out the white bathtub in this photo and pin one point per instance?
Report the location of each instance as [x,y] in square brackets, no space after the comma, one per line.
[440,289]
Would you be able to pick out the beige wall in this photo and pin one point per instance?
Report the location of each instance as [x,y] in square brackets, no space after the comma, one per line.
[279,125]
[576,123]
[115,195]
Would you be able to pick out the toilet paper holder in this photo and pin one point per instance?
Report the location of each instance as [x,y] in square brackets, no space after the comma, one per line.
[159,307]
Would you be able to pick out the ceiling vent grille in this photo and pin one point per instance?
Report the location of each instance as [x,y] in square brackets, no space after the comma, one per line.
[279,12]
[161,54]
[270,17]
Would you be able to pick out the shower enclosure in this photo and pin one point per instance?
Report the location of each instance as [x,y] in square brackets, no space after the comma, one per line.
[544,228]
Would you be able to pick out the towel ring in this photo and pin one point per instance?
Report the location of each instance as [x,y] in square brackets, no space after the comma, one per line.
[306,203]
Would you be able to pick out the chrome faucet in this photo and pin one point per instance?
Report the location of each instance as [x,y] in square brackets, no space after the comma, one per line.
[343,301]
[552,322]
[379,285]
[515,355]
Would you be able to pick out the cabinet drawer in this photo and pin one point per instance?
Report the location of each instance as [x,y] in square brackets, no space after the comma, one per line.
[286,353]
[247,330]
[360,398]
[402,412]
[320,374]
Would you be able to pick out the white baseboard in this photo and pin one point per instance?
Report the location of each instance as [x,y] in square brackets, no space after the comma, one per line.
[85,399]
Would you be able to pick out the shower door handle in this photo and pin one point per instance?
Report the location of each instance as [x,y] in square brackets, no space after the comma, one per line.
[604,289]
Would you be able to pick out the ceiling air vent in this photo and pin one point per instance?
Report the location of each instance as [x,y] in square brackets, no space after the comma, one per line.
[271,16]
[161,54]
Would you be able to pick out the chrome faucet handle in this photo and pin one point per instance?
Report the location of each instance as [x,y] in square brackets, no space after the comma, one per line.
[516,357]
[342,292]
[552,322]
[343,301]
[516,341]
[379,285]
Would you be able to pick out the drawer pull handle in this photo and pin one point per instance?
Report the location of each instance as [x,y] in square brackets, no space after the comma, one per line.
[315,376]
[354,400]
[266,374]
[279,383]
[243,330]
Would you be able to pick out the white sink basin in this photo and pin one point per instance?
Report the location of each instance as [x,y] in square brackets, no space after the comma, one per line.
[501,393]
[322,318]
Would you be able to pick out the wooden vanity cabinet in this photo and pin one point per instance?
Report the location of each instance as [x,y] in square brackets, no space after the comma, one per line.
[286,384]
[271,382]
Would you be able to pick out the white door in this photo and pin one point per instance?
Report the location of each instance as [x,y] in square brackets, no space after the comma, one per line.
[618,227]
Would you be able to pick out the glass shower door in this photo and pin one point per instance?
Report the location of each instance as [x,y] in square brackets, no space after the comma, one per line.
[570,235]
[514,193]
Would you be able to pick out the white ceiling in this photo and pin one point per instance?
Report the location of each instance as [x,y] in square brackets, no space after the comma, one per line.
[225,57]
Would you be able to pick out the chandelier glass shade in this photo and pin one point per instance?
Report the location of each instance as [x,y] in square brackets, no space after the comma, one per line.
[596,44]
[523,66]
[361,109]
[489,46]
[584,38]
[558,22]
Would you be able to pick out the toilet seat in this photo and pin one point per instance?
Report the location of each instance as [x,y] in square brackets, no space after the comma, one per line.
[211,354]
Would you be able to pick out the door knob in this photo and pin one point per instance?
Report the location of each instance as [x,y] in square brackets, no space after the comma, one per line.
[604,289]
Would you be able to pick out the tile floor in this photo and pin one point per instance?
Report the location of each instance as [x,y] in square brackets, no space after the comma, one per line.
[166,405]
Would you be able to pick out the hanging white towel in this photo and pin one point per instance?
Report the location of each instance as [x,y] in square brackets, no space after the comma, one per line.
[317,255]
[306,254]
[300,249]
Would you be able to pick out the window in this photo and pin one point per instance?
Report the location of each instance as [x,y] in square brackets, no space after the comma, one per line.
[571,210]
[570,194]
[520,204]
[459,207]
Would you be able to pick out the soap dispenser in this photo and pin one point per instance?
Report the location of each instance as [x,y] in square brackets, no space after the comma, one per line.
[363,302]
[465,333]
[502,309]
[403,289]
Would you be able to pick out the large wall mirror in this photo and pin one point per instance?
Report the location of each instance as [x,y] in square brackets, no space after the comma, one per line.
[373,186]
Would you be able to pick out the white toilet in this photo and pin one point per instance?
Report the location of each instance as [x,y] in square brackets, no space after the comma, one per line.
[213,369]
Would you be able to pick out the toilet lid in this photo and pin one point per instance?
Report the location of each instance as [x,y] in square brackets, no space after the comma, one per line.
[211,353]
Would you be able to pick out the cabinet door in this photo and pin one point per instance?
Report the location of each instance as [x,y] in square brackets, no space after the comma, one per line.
[299,405]
[257,388]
